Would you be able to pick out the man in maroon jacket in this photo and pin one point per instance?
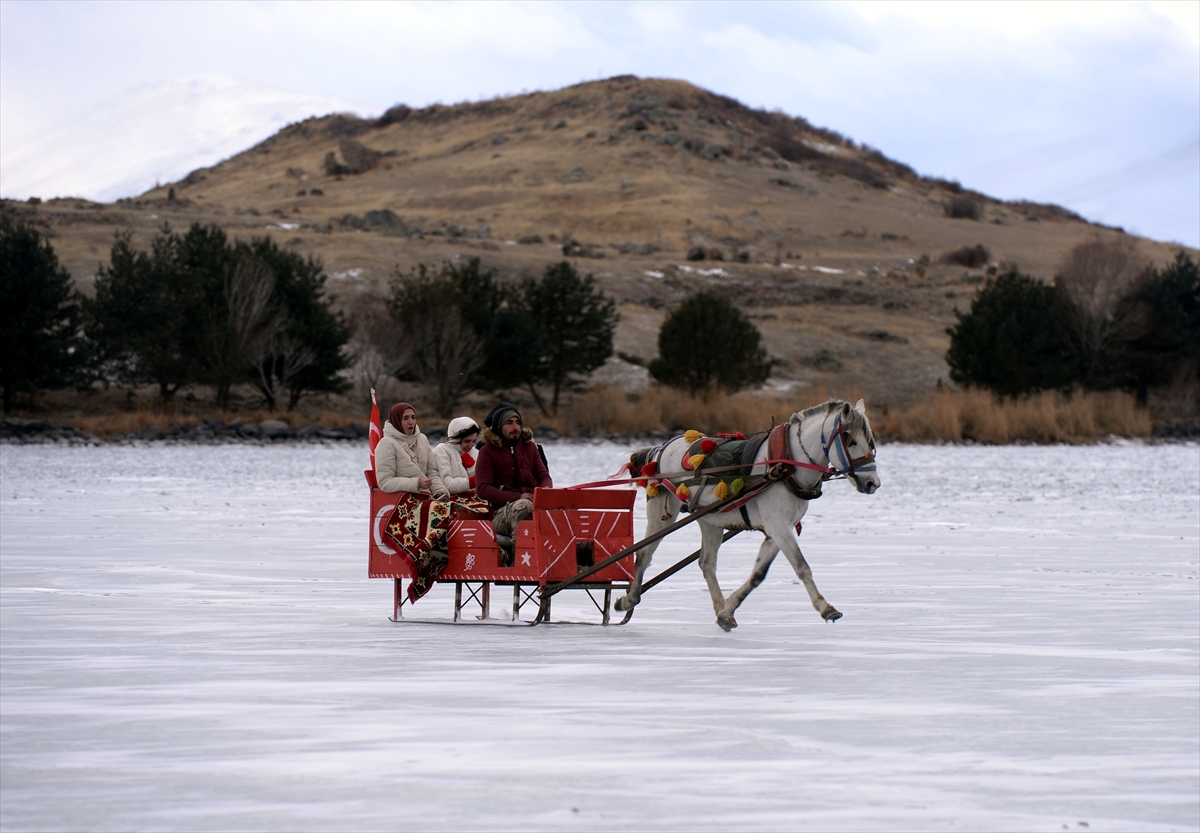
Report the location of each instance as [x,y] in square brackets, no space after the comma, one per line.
[508,469]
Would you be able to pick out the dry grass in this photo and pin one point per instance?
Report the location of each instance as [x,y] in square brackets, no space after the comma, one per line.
[106,414]
[980,416]
[606,410]
[944,416]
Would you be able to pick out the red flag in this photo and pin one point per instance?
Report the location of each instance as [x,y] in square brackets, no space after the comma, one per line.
[376,428]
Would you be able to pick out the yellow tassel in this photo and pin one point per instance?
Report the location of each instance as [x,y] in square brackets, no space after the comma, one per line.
[683,492]
[691,436]
[651,491]
[722,491]
[737,486]
[695,460]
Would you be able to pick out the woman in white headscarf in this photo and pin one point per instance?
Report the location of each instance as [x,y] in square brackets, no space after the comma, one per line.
[455,458]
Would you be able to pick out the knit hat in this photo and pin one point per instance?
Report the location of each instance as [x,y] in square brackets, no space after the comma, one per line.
[461,427]
[501,414]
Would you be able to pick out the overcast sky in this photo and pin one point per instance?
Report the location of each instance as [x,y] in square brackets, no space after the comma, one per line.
[1095,106]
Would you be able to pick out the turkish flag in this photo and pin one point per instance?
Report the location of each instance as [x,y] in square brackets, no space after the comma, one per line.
[376,428]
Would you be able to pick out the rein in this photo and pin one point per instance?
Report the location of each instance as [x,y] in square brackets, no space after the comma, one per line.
[612,481]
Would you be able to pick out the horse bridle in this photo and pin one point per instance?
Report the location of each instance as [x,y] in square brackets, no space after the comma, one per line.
[841,445]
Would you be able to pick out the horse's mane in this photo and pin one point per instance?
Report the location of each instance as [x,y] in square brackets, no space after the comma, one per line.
[828,407]
[821,410]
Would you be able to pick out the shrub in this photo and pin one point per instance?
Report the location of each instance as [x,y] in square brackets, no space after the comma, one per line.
[39,315]
[708,341]
[1010,340]
[969,256]
[963,207]
[1168,347]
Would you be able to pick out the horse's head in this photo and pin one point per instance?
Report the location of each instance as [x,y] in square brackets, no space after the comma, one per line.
[853,453]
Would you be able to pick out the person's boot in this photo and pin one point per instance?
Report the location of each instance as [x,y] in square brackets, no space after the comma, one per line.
[507,548]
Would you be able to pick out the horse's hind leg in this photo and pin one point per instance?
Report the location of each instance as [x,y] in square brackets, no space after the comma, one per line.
[660,511]
[766,555]
[791,550]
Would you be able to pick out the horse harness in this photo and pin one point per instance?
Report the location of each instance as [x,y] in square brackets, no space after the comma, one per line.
[730,458]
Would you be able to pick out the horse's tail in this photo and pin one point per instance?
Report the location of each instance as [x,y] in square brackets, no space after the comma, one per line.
[637,460]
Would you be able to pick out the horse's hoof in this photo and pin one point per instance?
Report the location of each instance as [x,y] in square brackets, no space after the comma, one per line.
[623,603]
[831,615]
[726,622]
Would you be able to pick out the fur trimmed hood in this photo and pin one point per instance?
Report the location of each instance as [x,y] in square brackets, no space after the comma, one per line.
[493,439]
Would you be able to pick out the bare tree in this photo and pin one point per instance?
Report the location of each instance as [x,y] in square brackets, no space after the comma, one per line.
[244,324]
[1092,281]
[376,348]
[440,349]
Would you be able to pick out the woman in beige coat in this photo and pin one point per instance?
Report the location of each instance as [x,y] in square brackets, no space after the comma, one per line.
[403,459]
[421,518]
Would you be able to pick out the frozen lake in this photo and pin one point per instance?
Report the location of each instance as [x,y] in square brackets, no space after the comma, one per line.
[188,641]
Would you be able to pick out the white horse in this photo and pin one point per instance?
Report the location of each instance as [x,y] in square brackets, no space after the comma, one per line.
[832,437]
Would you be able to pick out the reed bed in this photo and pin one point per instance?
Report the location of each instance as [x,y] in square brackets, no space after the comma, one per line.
[655,409]
[955,416]
[981,416]
[943,416]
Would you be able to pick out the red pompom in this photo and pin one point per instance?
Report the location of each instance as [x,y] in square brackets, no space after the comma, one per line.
[467,460]
[707,445]
[649,469]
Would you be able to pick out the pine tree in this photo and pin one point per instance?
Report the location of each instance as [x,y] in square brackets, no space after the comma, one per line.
[709,342]
[39,315]
[1012,339]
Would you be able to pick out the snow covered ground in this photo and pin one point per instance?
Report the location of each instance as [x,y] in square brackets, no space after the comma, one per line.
[188,641]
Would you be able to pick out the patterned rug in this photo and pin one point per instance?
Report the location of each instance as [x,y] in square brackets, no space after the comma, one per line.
[418,526]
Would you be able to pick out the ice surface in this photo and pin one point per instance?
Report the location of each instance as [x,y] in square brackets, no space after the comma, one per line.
[190,642]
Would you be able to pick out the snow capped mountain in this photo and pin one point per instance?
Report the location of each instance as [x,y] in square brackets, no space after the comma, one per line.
[123,146]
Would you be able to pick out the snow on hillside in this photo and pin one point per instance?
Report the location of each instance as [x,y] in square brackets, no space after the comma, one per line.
[150,135]
[189,641]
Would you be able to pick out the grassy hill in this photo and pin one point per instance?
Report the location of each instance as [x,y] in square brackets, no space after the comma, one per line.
[836,251]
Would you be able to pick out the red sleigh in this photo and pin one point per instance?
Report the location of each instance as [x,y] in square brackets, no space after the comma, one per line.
[571,529]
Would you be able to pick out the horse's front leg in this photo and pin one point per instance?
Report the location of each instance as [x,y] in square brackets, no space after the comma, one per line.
[660,512]
[766,555]
[710,542]
[791,550]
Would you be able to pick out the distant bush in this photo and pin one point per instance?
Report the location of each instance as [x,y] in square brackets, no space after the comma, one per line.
[951,185]
[1168,346]
[708,341]
[855,170]
[1011,341]
[970,256]
[393,115]
[963,207]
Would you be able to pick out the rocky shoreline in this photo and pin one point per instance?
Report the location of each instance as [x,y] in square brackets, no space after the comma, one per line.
[22,431]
